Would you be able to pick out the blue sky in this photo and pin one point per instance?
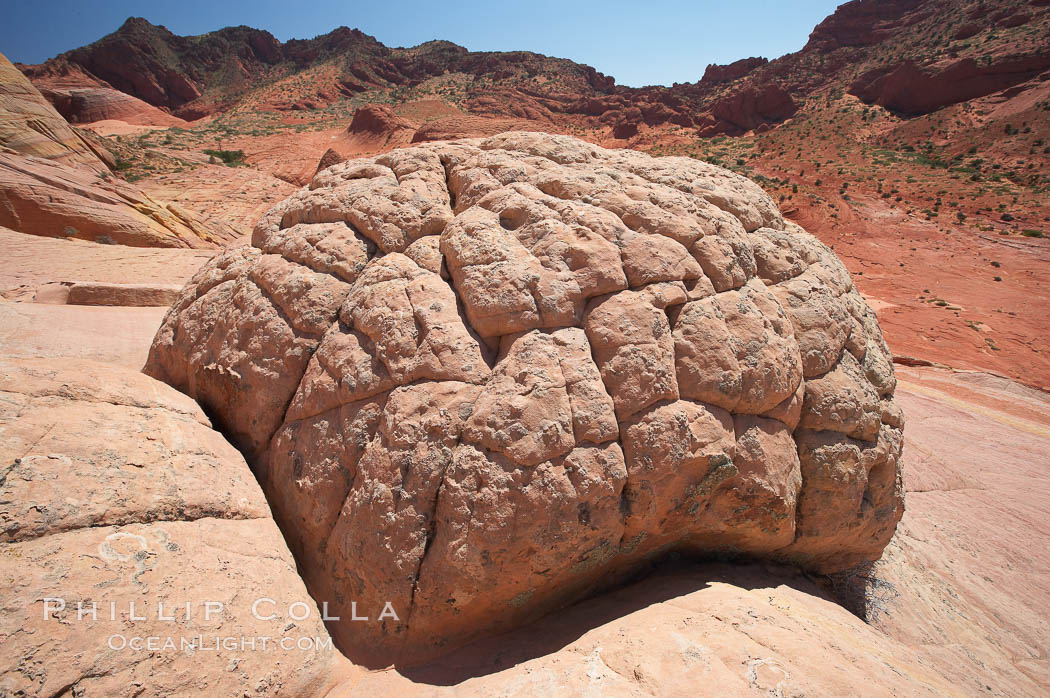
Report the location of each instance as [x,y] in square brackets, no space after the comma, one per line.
[641,42]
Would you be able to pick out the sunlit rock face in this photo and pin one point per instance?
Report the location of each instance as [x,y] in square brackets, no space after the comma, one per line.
[481,379]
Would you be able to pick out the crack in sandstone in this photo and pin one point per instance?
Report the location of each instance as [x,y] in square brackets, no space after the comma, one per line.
[948,489]
[283,314]
[98,401]
[140,518]
[431,532]
[446,165]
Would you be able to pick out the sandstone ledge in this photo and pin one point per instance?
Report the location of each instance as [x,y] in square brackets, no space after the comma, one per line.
[116,490]
[97,293]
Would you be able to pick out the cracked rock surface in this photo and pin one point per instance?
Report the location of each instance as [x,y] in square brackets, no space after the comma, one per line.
[482,379]
[119,499]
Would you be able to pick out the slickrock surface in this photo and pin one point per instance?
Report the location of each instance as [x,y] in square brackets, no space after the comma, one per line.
[43,197]
[31,126]
[55,183]
[479,380]
[689,630]
[32,264]
[970,563]
[115,489]
[37,275]
[111,334]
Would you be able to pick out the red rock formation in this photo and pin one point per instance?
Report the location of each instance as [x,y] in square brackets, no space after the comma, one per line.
[377,120]
[860,23]
[42,197]
[480,380]
[89,104]
[909,89]
[968,30]
[454,127]
[512,103]
[329,158]
[173,72]
[748,108]
[54,182]
[165,70]
[30,125]
[733,71]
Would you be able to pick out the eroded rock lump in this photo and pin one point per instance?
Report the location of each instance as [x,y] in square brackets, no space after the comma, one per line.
[481,379]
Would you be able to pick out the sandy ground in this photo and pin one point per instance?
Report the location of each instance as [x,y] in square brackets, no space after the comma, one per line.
[938,297]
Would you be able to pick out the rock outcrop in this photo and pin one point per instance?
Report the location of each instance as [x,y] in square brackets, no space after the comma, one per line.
[453,127]
[378,120]
[83,98]
[120,508]
[748,107]
[376,127]
[330,157]
[56,183]
[30,125]
[479,380]
[910,89]
[734,71]
[44,197]
[861,23]
[84,105]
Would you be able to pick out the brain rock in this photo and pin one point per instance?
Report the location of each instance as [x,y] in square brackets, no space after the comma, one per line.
[480,380]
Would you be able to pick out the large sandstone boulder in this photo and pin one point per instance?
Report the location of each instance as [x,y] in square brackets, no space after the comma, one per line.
[123,517]
[479,380]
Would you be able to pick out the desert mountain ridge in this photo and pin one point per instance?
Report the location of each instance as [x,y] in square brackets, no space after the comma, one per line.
[911,135]
[897,54]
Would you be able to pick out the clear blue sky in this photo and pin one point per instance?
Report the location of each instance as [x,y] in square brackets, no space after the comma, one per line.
[639,42]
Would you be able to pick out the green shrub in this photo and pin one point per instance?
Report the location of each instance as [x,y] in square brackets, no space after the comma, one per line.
[232,158]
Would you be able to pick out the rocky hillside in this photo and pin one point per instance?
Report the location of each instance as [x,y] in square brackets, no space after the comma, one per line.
[196,75]
[911,135]
[55,181]
[910,56]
